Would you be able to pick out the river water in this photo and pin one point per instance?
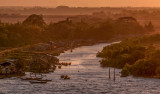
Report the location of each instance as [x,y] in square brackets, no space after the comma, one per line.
[87,77]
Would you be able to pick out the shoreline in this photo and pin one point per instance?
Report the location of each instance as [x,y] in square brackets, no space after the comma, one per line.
[29,51]
[123,54]
[49,49]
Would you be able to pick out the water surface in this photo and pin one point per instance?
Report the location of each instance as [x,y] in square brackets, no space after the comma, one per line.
[87,77]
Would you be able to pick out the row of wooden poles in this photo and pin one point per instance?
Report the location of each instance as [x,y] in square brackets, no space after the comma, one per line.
[110,74]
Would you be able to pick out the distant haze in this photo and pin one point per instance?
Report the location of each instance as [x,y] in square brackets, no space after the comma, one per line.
[82,3]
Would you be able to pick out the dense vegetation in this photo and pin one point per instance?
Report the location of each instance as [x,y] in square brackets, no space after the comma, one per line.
[35,30]
[136,56]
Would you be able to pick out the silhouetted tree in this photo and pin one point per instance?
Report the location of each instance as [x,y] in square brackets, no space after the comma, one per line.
[126,19]
[149,27]
[34,20]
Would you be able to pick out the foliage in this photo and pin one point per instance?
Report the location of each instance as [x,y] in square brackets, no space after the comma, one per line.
[20,65]
[158,71]
[149,27]
[136,56]
[125,71]
[34,20]
[143,67]
[34,30]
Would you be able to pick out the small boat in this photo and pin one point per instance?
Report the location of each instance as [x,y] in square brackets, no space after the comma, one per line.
[26,78]
[69,63]
[65,77]
[62,76]
[59,67]
[51,70]
[32,82]
[45,80]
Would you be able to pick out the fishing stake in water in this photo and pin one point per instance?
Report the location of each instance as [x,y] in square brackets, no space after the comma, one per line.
[109,73]
[114,75]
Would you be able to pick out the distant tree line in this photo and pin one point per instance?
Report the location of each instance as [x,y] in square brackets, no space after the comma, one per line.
[34,30]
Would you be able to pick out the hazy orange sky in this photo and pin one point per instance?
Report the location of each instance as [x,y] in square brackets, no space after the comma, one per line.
[82,3]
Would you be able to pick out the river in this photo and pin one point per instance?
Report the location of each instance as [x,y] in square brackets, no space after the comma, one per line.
[87,77]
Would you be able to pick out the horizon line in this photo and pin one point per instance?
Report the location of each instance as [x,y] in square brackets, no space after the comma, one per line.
[86,6]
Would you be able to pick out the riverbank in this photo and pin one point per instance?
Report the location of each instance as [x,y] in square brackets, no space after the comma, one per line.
[135,56]
[86,76]
[26,59]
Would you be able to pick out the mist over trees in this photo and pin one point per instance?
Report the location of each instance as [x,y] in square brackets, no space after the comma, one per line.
[35,30]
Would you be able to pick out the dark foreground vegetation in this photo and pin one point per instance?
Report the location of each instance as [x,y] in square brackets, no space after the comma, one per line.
[33,43]
[136,56]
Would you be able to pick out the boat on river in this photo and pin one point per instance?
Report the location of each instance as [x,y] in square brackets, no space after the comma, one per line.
[30,78]
[65,77]
[36,81]
[45,80]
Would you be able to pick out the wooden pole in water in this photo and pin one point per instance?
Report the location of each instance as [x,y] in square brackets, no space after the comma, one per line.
[114,75]
[71,46]
[109,73]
